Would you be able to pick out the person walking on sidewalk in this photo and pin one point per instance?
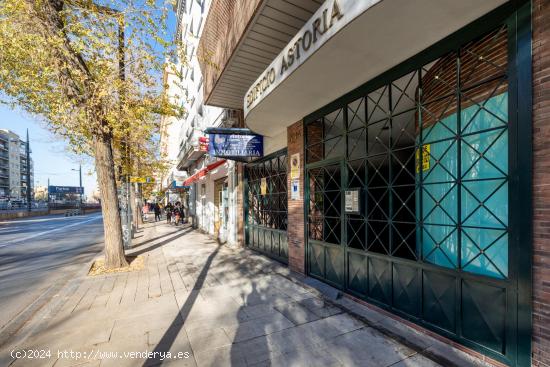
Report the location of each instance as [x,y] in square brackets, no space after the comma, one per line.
[168,209]
[157,212]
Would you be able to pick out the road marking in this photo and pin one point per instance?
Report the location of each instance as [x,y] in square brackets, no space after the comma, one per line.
[18,240]
[15,221]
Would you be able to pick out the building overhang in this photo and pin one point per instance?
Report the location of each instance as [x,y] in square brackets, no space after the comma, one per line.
[345,44]
[240,39]
[189,158]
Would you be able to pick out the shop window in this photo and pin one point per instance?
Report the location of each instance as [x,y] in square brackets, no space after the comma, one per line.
[267,206]
[428,153]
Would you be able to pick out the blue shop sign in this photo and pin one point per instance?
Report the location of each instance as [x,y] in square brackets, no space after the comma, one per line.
[236,145]
[65,190]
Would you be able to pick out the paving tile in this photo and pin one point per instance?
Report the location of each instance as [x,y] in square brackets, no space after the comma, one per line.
[369,314]
[256,350]
[258,327]
[319,307]
[140,325]
[81,333]
[330,327]
[296,313]
[417,360]
[115,351]
[261,310]
[304,357]
[219,321]
[292,339]
[367,347]
[225,356]
[205,339]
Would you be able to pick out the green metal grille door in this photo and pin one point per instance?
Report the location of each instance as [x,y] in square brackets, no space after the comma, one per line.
[429,147]
[266,209]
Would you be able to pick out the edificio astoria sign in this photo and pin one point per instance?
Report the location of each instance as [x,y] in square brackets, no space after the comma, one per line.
[332,16]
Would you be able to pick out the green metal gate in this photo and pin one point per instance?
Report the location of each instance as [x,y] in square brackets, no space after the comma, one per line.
[266,205]
[431,150]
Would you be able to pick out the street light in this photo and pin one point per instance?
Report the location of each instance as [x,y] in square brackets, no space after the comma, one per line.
[80,180]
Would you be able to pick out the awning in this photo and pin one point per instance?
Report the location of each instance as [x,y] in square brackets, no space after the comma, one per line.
[203,172]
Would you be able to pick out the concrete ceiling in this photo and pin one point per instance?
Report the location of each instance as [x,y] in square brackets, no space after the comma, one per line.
[274,25]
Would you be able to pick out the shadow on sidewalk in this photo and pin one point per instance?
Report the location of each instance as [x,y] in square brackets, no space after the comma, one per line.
[160,236]
[244,346]
[160,244]
[172,331]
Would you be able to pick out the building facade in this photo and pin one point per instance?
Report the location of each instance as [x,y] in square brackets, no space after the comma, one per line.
[405,156]
[14,166]
[203,183]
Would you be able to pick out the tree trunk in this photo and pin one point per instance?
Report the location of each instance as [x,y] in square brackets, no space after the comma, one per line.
[114,248]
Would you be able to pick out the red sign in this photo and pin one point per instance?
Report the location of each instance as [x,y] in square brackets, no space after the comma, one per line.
[203,144]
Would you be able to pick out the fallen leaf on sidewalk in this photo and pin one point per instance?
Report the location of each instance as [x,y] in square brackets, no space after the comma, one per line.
[135,263]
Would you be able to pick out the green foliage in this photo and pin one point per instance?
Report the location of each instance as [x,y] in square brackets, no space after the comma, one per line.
[60,61]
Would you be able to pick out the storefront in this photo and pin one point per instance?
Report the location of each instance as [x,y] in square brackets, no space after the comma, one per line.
[212,199]
[415,193]
[266,213]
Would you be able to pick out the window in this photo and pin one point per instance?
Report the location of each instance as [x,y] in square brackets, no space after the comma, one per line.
[428,153]
[199,27]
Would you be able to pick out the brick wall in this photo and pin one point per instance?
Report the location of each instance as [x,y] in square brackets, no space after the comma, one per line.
[296,225]
[440,80]
[225,25]
[541,183]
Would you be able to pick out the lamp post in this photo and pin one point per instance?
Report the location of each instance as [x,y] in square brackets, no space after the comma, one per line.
[28,183]
[80,191]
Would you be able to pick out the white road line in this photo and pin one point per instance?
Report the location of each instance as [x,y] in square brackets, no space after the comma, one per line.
[18,240]
[16,221]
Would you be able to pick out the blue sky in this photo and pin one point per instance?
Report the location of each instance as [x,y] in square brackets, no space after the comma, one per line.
[50,156]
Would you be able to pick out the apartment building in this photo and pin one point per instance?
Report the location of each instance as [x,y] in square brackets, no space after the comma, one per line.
[14,166]
[202,182]
[405,156]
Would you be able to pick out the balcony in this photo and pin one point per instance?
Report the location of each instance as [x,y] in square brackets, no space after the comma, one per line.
[189,149]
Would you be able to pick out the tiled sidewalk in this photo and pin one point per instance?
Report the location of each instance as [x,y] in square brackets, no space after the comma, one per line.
[219,306]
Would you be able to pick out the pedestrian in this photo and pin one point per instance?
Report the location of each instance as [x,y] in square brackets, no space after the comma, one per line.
[182,216]
[157,212]
[168,211]
[177,213]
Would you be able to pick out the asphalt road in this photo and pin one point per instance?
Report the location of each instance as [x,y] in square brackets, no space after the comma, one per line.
[36,252]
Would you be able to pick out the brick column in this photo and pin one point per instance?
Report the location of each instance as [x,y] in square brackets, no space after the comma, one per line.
[296,224]
[541,183]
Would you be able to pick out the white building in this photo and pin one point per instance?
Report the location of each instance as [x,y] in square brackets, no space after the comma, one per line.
[13,166]
[208,194]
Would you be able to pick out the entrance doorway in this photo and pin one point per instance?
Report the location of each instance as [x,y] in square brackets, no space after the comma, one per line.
[266,206]
[410,201]
[221,208]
